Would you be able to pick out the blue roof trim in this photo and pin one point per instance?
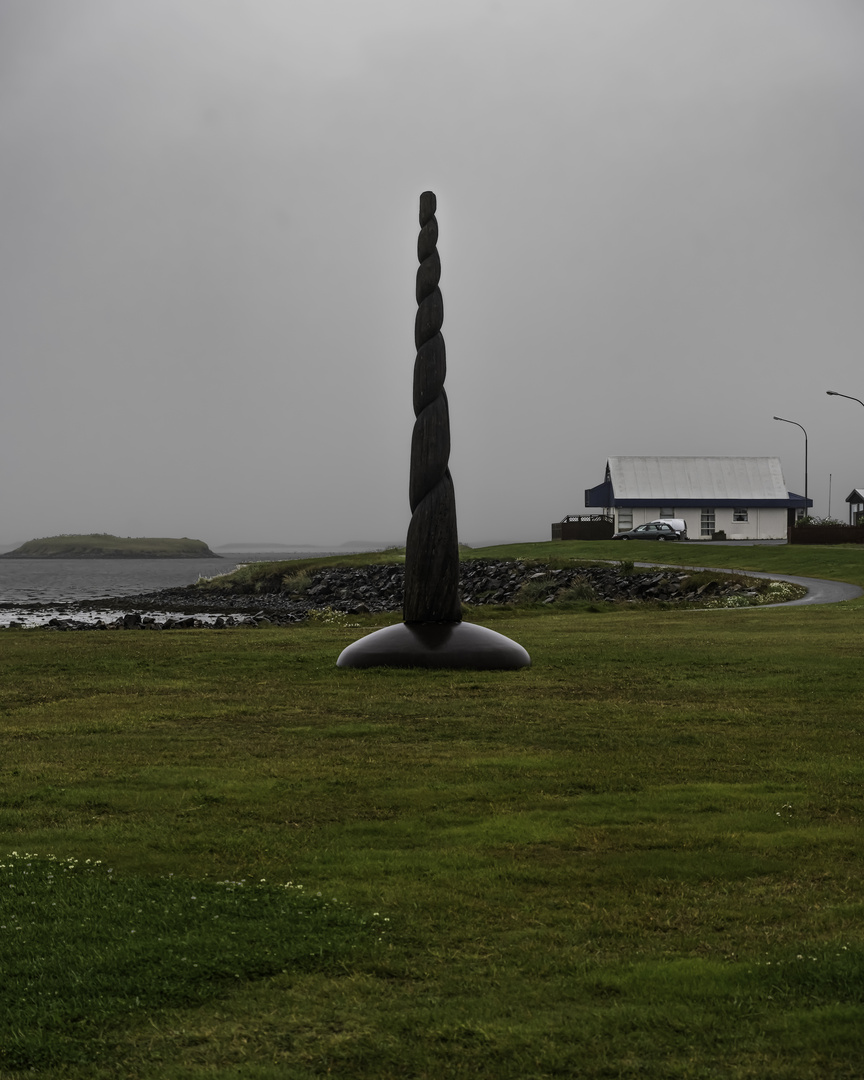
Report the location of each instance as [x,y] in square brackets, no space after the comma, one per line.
[603,495]
[600,496]
[751,504]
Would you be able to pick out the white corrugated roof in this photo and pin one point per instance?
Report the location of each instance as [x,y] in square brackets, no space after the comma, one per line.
[666,479]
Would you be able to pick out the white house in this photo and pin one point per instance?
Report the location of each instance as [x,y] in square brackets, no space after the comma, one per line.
[744,497]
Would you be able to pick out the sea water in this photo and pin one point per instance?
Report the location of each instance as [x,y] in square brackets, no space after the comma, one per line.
[26,583]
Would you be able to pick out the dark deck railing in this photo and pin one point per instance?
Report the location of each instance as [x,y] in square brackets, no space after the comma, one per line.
[584,527]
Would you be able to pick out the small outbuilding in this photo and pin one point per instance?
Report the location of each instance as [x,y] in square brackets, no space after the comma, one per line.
[741,498]
[856,506]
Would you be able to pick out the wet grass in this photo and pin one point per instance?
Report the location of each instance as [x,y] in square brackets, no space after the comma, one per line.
[641,857]
[85,948]
[840,562]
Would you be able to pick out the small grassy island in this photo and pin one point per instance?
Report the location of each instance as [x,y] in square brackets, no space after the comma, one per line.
[105,546]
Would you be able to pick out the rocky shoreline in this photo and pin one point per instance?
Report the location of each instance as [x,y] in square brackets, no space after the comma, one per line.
[378,588]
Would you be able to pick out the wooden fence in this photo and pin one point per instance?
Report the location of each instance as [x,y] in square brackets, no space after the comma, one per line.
[826,534]
[584,527]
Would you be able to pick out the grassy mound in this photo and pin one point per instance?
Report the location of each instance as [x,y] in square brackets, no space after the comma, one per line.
[274,577]
[842,562]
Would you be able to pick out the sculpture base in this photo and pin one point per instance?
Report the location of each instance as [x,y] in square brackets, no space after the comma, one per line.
[435,645]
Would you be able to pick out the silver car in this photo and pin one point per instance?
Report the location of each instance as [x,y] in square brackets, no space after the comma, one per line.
[653,530]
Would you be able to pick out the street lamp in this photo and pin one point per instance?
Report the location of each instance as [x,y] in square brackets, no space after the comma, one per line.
[836,393]
[795,422]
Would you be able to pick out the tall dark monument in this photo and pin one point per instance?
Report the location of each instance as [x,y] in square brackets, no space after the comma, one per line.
[432,548]
[432,634]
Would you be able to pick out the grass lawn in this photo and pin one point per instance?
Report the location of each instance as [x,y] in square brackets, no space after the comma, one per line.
[640,858]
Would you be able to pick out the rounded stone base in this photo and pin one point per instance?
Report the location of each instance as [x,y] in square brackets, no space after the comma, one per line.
[435,645]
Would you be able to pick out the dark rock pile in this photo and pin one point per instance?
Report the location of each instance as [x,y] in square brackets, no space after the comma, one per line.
[371,589]
[484,581]
[505,583]
[134,620]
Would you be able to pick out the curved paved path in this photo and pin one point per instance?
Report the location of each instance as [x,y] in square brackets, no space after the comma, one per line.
[819,591]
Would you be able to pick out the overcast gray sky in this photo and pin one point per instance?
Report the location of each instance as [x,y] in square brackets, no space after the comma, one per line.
[651,230]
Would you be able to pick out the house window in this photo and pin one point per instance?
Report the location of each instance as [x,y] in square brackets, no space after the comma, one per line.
[667,511]
[706,521]
[739,513]
[625,519]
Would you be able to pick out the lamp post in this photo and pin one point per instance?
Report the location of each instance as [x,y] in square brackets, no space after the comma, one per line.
[795,422]
[836,393]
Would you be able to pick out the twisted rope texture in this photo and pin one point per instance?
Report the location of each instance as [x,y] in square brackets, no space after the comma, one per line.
[432,548]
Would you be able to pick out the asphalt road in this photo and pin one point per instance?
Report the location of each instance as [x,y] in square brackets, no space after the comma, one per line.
[819,591]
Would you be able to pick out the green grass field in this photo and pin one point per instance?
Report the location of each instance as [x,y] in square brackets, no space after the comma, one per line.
[641,857]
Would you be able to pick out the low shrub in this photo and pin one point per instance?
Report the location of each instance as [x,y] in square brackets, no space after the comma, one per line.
[297,583]
[579,590]
[811,520]
[536,590]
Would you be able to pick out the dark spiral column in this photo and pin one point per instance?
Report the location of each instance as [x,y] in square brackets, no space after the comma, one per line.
[432,547]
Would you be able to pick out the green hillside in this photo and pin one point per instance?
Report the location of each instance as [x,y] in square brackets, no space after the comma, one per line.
[105,546]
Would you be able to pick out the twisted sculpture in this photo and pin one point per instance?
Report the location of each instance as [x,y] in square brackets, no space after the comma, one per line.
[432,634]
[432,549]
